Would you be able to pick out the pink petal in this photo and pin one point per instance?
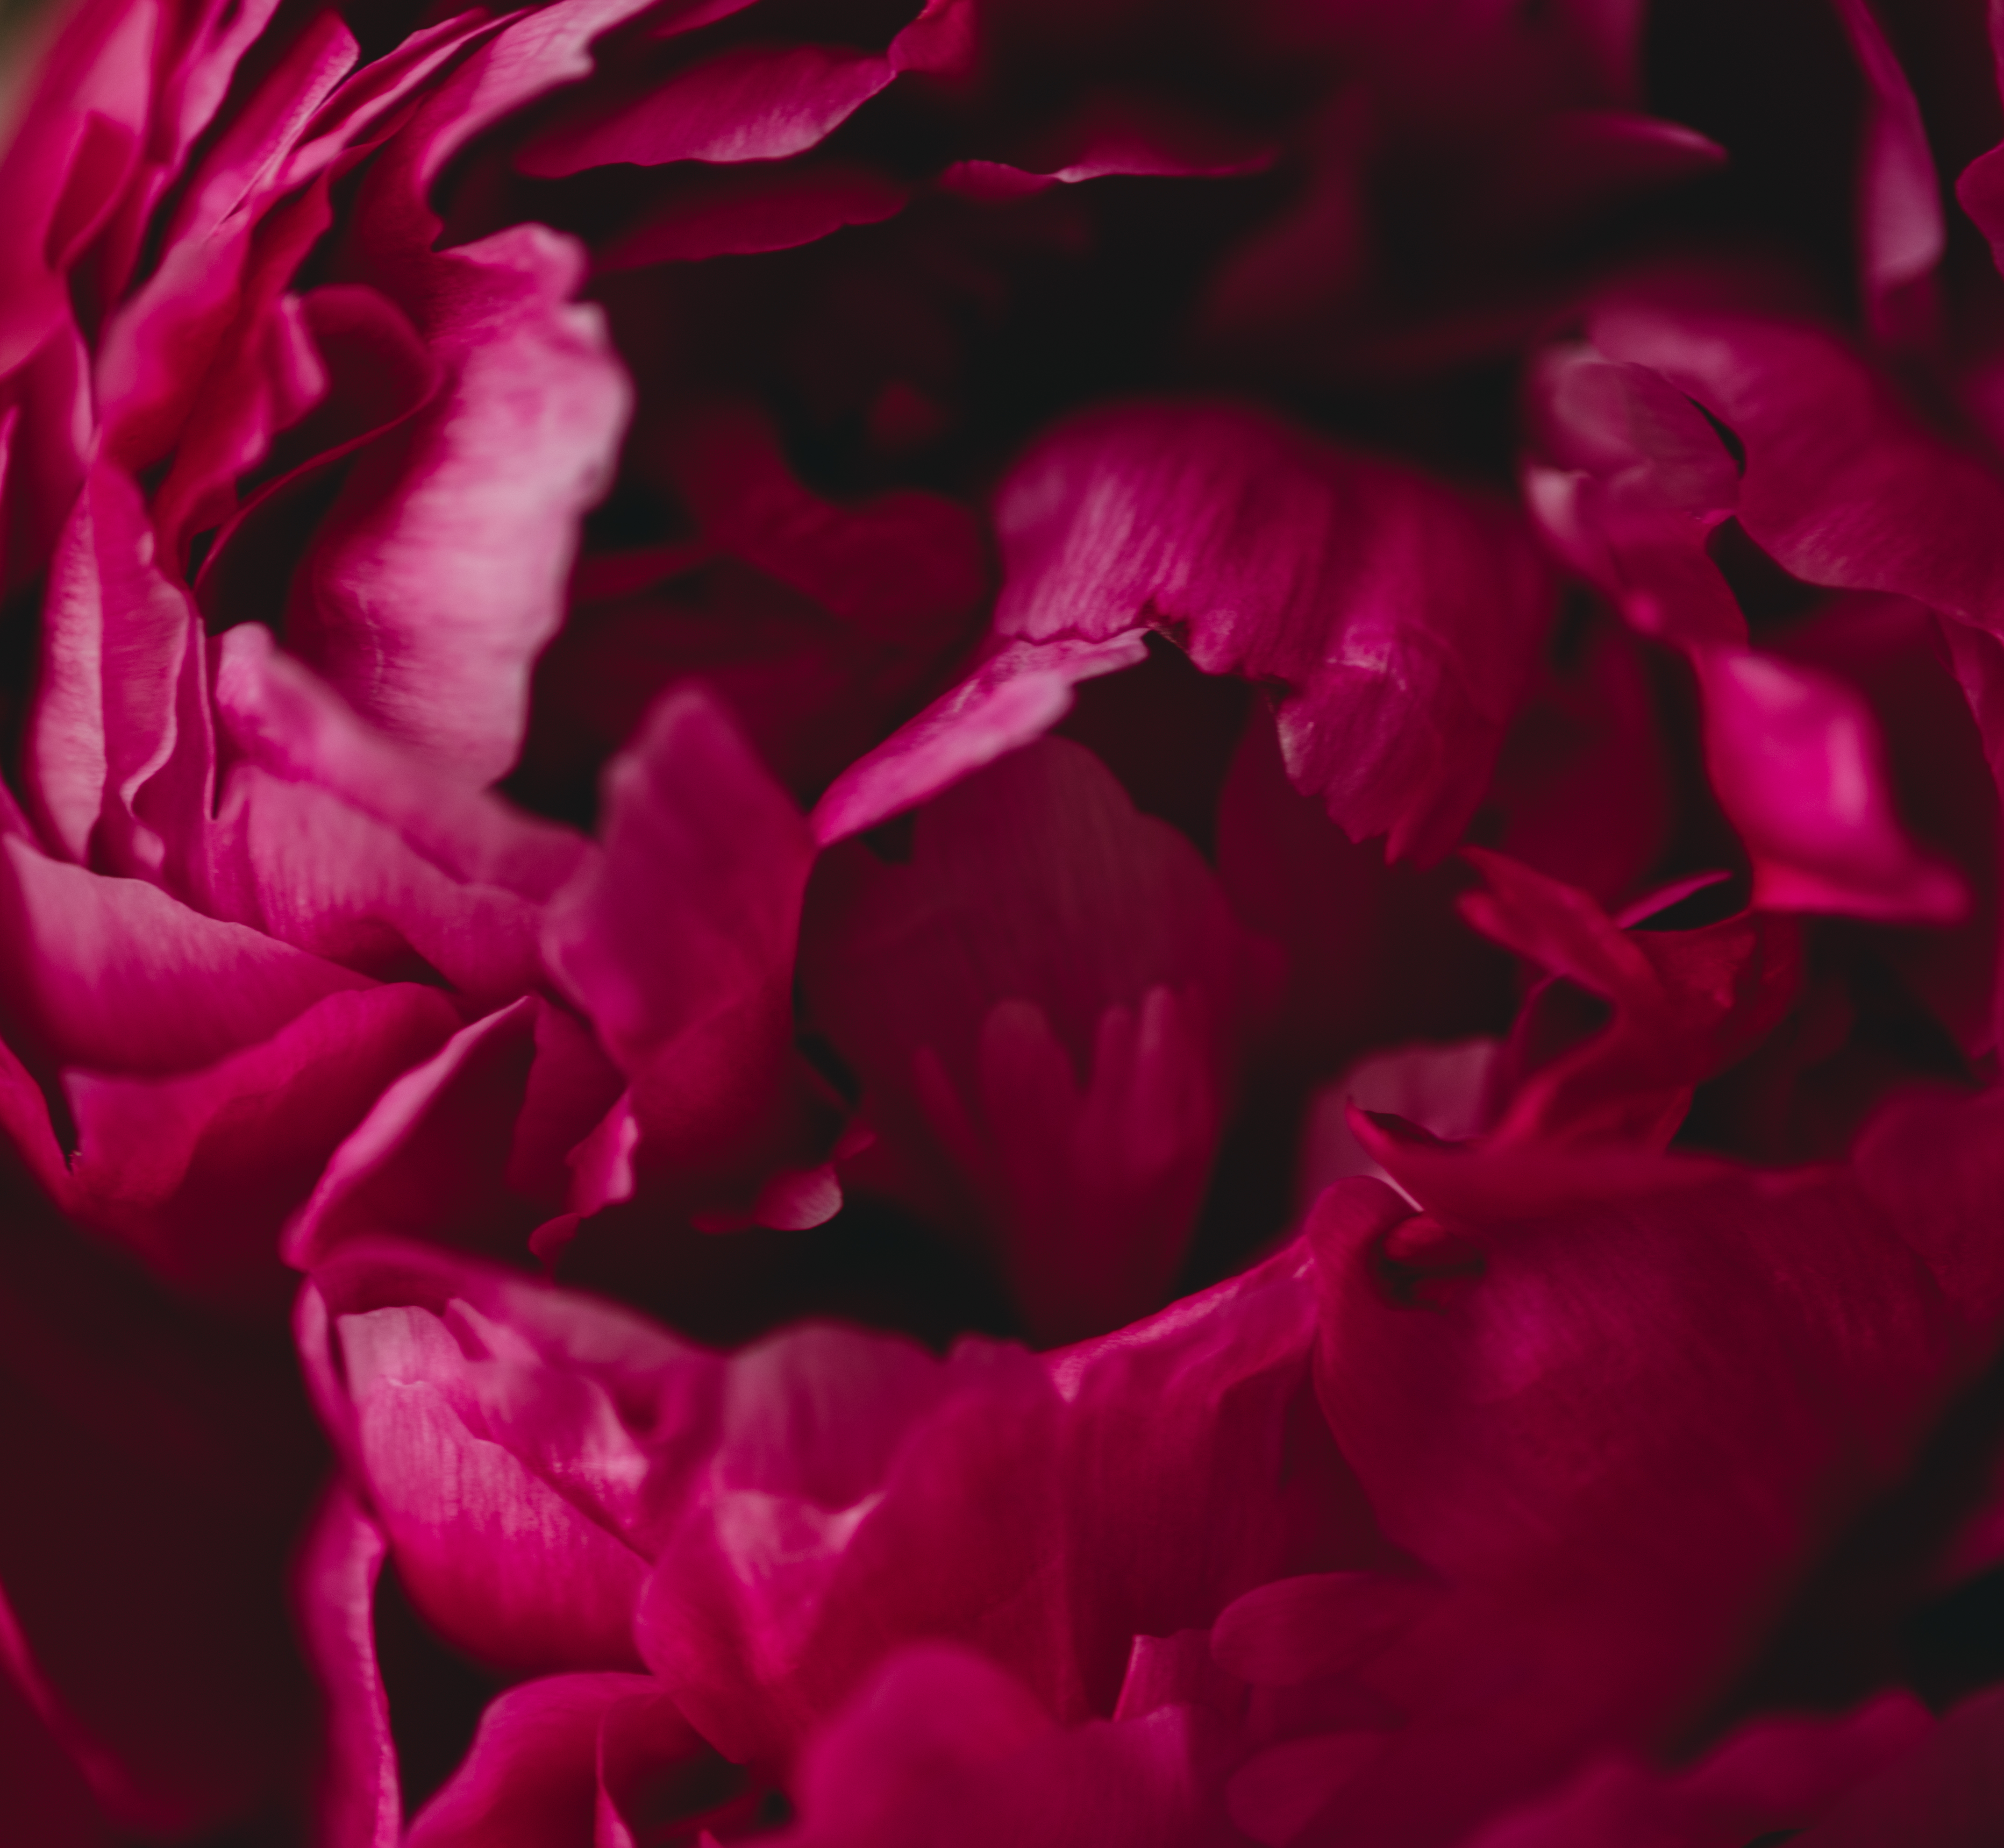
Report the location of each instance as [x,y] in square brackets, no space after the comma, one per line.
[1687,1004]
[440,572]
[524,1449]
[754,102]
[1796,757]
[1045,1509]
[470,1148]
[257,136]
[50,1798]
[1016,694]
[1772,1775]
[530,1778]
[1564,167]
[115,635]
[195,1174]
[655,1771]
[1843,484]
[943,1746]
[405,1168]
[334,1590]
[295,861]
[1944,1794]
[280,715]
[1763,1352]
[1296,1630]
[678,944]
[380,374]
[114,974]
[1403,618]
[1447,1090]
[95,87]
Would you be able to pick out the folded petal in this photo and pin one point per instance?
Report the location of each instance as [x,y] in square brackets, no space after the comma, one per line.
[439,572]
[678,942]
[195,1173]
[523,1450]
[114,974]
[1402,617]
[334,1590]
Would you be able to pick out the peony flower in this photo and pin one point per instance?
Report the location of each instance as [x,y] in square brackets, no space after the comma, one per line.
[1097,908]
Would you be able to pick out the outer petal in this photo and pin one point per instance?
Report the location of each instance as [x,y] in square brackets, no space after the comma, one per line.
[1790,1301]
[523,1449]
[1045,1509]
[334,1592]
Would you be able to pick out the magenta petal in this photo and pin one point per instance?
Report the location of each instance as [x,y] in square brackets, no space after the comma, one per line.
[1748,1385]
[1796,757]
[1294,1629]
[195,1173]
[1931,1162]
[440,574]
[1017,694]
[334,1591]
[678,943]
[524,1449]
[469,1148]
[1686,1006]
[751,102]
[1402,617]
[736,211]
[114,975]
[530,1778]
[279,714]
[1564,167]
[1844,485]
[158,1471]
[48,1797]
[68,160]
[1047,1509]
[406,1166]
[115,639]
[495,1557]
[941,1747]
[295,861]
